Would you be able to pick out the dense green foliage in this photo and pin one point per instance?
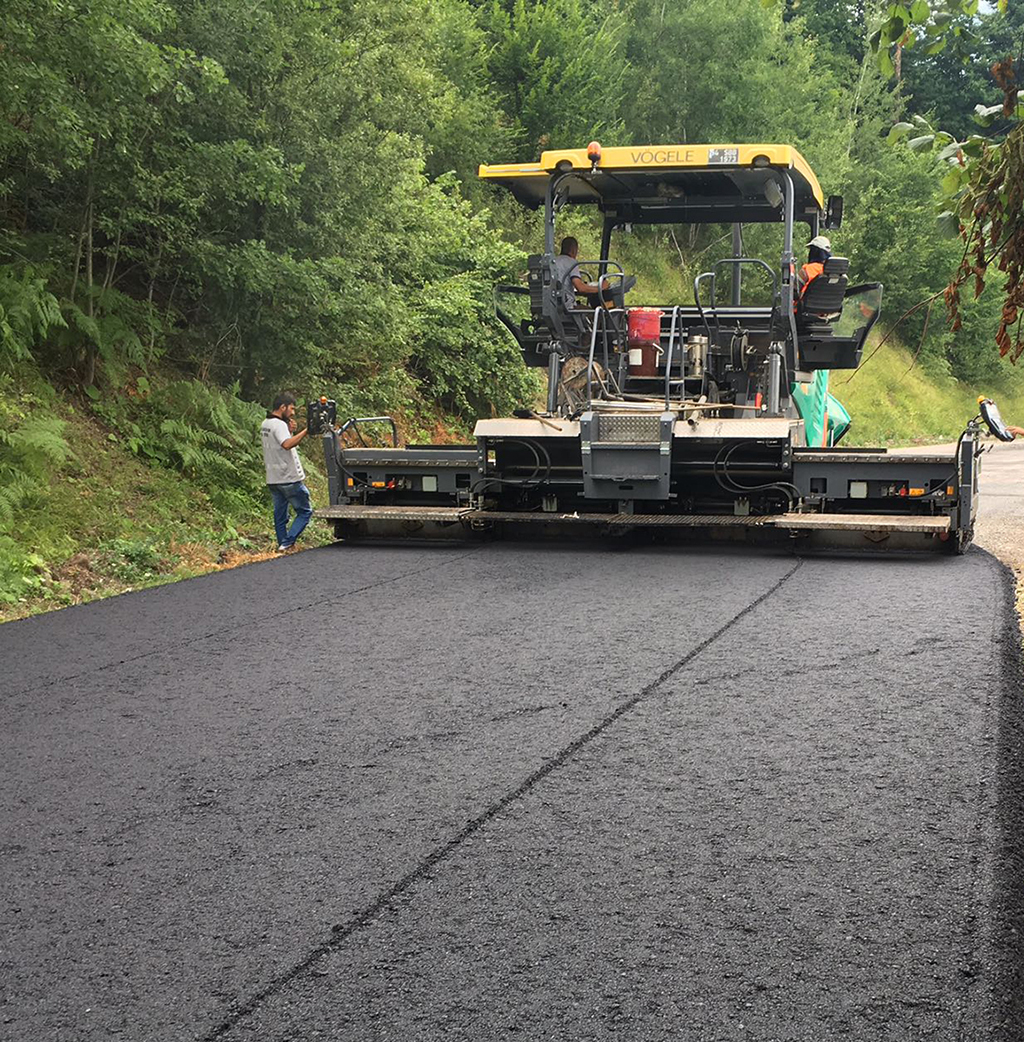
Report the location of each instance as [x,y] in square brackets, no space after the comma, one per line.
[203,202]
[983,172]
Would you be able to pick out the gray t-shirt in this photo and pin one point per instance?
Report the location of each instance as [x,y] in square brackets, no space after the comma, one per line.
[564,266]
[283,466]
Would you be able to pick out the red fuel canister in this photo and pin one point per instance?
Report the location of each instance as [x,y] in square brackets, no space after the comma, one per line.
[643,330]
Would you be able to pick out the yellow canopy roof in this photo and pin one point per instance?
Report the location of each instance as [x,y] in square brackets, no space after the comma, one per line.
[664,182]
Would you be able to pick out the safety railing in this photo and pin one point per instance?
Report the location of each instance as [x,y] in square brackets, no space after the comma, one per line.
[602,316]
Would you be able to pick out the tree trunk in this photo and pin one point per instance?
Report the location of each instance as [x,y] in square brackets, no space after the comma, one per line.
[78,257]
[89,377]
[90,350]
[149,297]
[112,264]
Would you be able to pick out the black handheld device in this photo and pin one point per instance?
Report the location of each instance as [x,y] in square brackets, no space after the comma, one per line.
[994,422]
[321,415]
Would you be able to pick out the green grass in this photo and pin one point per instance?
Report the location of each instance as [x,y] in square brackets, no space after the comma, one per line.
[893,402]
[108,522]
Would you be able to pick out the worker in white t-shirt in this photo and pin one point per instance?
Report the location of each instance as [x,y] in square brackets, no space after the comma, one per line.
[285,476]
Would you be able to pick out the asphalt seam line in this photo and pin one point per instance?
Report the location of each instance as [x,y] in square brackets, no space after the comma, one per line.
[235,626]
[342,931]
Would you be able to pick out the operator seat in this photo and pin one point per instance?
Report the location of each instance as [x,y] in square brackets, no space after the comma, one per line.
[833,320]
[554,307]
[822,301]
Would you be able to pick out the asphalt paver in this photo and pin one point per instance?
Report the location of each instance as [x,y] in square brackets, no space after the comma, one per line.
[517,791]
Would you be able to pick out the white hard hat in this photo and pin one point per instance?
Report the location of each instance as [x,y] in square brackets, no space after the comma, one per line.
[823,242]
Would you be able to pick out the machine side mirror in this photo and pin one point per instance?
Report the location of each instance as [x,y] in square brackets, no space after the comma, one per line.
[834,213]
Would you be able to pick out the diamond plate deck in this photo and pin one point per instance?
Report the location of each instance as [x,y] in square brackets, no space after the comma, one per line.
[629,429]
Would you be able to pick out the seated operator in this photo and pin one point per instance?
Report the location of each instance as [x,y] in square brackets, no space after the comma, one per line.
[819,249]
[567,272]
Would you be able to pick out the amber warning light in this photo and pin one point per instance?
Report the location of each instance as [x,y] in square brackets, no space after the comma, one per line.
[594,151]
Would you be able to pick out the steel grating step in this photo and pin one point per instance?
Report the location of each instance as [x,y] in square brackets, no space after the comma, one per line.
[886,459]
[619,520]
[935,524]
[361,512]
[398,462]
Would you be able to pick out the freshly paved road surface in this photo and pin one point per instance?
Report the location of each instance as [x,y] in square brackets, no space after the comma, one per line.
[518,792]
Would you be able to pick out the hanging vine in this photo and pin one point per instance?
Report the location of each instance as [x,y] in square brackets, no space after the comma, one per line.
[990,208]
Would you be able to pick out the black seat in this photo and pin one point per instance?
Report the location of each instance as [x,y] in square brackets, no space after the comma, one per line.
[555,314]
[535,277]
[532,334]
[824,345]
[823,298]
[551,303]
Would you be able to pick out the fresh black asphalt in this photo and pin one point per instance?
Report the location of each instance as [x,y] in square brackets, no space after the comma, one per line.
[518,792]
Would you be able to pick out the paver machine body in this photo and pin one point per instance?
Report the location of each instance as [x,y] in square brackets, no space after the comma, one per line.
[705,416]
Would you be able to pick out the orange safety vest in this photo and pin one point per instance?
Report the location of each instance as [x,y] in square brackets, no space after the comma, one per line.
[808,273]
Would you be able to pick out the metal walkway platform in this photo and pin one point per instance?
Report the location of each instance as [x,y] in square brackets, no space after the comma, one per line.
[935,524]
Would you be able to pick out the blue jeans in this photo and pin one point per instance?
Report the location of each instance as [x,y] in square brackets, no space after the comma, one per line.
[297,495]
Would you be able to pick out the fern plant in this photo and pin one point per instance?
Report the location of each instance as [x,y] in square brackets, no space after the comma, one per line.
[207,433]
[32,449]
[28,312]
[29,454]
[120,332]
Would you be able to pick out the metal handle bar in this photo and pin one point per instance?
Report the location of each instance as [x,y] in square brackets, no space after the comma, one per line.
[354,422]
[696,287]
[712,275]
[668,360]
[522,291]
[602,316]
[573,273]
[598,319]
[772,273]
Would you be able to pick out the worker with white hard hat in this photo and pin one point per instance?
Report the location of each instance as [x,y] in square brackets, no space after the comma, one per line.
[819,249]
